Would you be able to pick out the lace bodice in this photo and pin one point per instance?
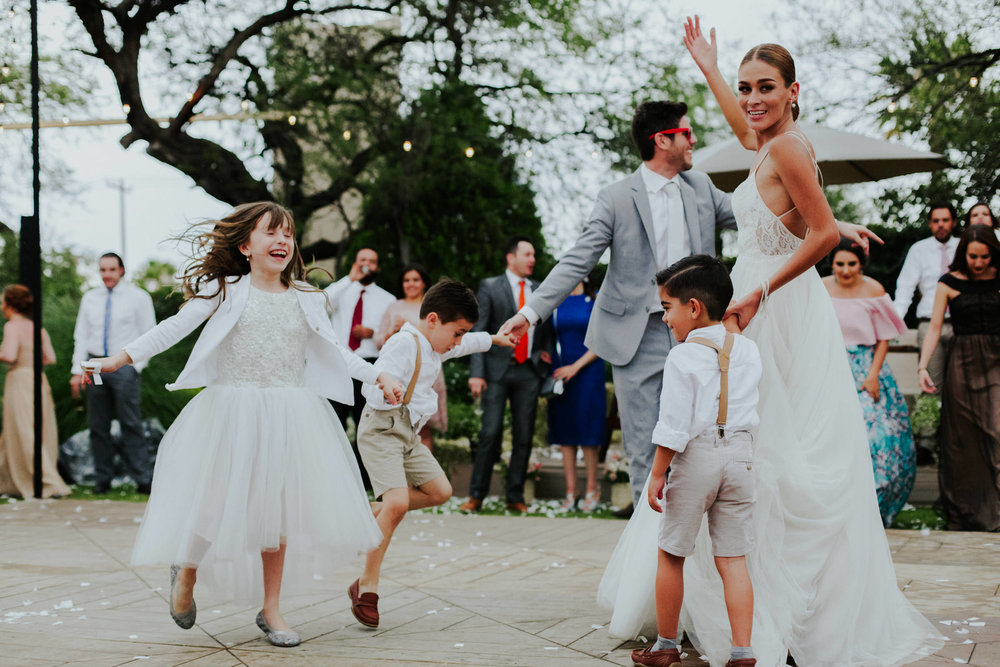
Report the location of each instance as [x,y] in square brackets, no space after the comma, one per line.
[267,345]
[760,230]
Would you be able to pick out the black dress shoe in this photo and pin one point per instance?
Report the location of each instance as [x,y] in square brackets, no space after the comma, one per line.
[101,487]
[625,512]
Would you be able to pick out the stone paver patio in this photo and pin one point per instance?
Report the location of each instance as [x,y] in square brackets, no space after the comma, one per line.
[456,590]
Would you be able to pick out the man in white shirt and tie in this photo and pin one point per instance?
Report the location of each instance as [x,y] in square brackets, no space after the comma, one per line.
[356,308]
[110,317]
[925,263]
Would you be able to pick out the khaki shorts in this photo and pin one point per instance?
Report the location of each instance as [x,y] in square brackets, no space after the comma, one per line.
[714,476]
[392,452]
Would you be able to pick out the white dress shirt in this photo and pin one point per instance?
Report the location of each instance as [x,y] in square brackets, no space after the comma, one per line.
[515,286]
[132,315]
[922,269]
[343,296]
[689,401]
[399,357]
[665,204]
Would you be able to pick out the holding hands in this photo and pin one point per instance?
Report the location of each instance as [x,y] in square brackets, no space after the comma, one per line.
[391,388]
[97,366]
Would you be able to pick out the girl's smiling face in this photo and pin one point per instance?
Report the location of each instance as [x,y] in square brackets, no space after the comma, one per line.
[413,285]
[269,248]
[846,268]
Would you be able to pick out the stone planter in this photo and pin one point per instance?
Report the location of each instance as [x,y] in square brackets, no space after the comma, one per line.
[621,494]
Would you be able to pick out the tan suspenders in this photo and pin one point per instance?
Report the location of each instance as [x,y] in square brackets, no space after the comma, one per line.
[416,373]
[727,347]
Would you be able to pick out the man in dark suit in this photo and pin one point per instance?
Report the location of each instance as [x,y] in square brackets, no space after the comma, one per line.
[505,373]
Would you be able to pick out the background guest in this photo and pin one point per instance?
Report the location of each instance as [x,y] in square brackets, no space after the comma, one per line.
[980,214]
[576,417]
[414,282]
[969,469]
[17,439]
[504,374]
[109,317]
[868,322]
[926,261]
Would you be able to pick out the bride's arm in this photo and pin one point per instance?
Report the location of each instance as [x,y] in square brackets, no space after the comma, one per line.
[794,166]
[705,55]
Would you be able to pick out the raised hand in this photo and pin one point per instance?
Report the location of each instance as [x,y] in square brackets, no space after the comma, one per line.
[704,53]
[516,326]
[858,233]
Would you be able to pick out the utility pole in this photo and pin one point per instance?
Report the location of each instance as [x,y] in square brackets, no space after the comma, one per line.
[122,191]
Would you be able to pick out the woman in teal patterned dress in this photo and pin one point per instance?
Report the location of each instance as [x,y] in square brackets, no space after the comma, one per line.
[868,322]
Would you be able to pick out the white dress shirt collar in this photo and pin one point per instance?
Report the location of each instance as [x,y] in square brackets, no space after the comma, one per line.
[653,181]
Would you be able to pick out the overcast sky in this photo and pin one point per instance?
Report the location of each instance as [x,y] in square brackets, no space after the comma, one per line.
[160,201]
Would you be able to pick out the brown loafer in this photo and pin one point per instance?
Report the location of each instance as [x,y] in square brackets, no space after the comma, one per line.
[517,507]
[364,606]
[647,656]
[471,505]
[742,662]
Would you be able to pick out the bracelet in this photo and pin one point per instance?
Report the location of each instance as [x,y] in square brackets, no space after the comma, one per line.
[921,368]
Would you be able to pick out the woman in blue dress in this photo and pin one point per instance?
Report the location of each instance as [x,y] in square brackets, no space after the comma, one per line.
[576,417]
[868,321]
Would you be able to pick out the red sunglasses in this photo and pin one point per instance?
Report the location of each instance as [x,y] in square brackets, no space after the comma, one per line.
[686,131]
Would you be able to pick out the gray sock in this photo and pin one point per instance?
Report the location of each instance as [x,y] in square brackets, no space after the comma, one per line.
[738,652]
[665,644]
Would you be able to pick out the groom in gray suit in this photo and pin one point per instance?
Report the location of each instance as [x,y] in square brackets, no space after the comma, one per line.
[662,212]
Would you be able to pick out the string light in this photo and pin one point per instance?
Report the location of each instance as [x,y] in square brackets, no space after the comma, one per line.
[347,135]
[594,155]
[190,96]
[470,151]
[244,105]
[974,81]
[3,105]
[291,120]
[407,146]
[11,13]
[65,120]
[892,107]
[528,153]
[126,108]
[5,70]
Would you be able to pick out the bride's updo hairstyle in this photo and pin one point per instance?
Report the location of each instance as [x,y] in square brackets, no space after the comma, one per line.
[780,59]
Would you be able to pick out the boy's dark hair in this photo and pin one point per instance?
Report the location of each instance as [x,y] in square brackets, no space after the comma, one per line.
[699,277]
[652,117]
[451,300]
[510,245]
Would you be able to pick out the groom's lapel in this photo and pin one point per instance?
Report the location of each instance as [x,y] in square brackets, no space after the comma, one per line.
[690,216]
[641,200]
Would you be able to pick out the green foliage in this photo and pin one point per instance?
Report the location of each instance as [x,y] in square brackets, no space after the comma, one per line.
[918,518]
[456,211]
[926,415]
[463,421]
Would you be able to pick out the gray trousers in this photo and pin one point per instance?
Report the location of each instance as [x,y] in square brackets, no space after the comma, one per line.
[520,384]
[637,387]
[936,364]
[120,392]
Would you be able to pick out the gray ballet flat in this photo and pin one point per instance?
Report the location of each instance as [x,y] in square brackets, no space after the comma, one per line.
[286,638]
[185,620]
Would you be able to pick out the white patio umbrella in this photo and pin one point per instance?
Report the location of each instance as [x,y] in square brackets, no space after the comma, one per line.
[844,157]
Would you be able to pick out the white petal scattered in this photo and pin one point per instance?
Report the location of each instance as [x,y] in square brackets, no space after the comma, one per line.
[962,631]
[78,509]
[65,604]
[459,645]
[216,611]
[973,618]
[925,531]
[140,657]
[945,622]
[551,648]
[595,626]
[133,636]
[82,617]
[959,660]
[641,639]
[942,580]
[432,611]
[84,583]
[968,641]
[978,624]
[479,533]
[57,623]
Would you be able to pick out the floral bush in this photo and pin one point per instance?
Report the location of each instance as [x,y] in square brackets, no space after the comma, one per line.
[534,466]
[616,466]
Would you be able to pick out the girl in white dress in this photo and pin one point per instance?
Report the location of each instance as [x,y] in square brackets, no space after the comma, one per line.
[255,486]
[825,588]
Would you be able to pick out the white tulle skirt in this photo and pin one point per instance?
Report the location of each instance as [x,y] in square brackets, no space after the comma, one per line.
[244,470]
[824,583]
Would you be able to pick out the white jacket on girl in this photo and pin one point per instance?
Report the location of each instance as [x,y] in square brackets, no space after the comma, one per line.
[329,366]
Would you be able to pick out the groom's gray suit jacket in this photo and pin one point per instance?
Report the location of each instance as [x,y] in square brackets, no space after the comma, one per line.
[622,221]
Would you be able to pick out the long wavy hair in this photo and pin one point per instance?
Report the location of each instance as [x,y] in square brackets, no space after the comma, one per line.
[976,234]
[215,248]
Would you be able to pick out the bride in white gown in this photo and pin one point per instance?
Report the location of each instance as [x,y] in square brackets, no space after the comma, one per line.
[824,585]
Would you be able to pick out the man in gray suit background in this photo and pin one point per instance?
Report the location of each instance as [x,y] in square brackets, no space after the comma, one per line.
[660,213]
[503,373]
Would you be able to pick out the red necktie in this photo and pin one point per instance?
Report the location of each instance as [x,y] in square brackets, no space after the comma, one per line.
[521,351]
[353,341]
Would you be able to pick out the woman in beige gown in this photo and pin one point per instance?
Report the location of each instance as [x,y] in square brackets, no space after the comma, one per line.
[17,439]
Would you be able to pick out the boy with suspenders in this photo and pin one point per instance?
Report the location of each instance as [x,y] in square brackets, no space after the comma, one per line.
[704,435]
